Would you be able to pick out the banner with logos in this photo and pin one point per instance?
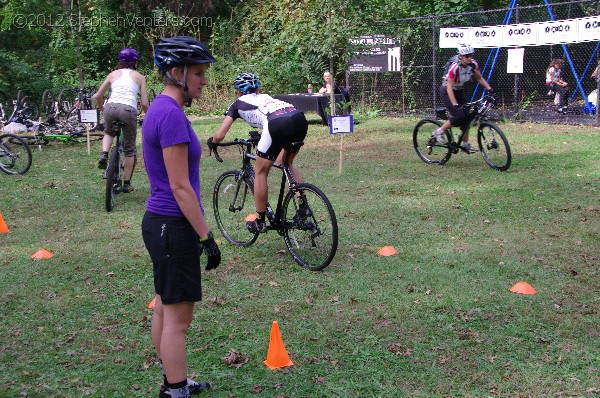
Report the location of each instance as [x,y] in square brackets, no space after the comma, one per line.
[526,34]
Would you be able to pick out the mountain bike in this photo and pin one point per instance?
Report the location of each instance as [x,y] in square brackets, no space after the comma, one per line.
[45,132]
[15,154]
[310,234]
[115,168]
[492,142]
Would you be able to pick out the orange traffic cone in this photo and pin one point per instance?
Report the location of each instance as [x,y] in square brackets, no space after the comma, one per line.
[151,303]
[387,251]
[3,226]
[277,356]
[42,254]
[522,288]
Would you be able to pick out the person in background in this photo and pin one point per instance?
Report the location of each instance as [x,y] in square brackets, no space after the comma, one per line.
[460,69]
[125,83]
[555,83]
[281,124]
[174,229]
[329,84]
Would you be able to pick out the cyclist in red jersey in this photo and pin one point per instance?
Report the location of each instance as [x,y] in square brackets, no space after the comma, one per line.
[461,70]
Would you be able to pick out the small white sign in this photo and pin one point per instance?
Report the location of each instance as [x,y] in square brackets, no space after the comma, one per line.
[341,124]
[514,63]
[89,115]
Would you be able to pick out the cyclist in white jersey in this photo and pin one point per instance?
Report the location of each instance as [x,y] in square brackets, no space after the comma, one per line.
[461,70]
[125,83]
[281,124]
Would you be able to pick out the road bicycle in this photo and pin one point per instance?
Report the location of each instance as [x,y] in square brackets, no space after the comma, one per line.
[15,154]
[310,234]
[115,169]
[492,142]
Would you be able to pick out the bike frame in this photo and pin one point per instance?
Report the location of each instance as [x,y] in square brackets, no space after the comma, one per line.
[477,115]
[287,180]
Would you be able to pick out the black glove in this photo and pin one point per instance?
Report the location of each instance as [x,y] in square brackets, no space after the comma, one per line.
[213,254]
[254,134]
[491,91]
[457,106]
[210,143]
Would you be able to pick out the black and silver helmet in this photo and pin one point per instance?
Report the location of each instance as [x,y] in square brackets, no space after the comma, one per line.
[180,50]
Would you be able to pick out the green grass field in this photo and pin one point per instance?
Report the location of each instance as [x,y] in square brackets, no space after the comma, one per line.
[435,320]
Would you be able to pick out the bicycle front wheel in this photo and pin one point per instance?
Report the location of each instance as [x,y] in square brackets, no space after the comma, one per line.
[310,234]
[112,178]
[494,146]
[427,147]
[15,154]
[233,202]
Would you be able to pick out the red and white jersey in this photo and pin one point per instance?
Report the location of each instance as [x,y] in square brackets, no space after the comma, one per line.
[460,73]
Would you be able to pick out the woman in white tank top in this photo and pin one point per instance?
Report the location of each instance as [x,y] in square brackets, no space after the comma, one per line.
[125,84]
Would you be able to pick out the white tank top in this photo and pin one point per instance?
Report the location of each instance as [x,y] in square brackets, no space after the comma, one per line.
[124,90]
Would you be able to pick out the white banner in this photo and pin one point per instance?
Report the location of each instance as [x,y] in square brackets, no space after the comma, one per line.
[452,37]
[486,36]
[527,34]
[589,29]
[557,32]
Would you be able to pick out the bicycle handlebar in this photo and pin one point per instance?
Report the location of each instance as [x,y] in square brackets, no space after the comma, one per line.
[248,143]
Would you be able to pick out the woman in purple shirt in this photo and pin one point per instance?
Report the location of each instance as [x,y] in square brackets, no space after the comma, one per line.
[174,229]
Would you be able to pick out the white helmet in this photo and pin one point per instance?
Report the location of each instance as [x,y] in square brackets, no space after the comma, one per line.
[465,49]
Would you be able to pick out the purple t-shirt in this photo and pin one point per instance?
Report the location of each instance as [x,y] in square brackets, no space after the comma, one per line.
[166,125]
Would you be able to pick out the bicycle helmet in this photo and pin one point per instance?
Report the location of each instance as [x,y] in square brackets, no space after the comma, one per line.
[465,49]
[180,50]
[245,82]
[128,55]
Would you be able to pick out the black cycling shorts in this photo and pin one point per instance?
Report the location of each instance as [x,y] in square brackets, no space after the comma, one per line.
[173,247]
[282,129]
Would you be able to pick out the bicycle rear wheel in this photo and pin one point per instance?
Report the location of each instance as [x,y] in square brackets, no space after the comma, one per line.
[310,237]
[5,107]
[233,201]
[112,178]
[427,147]
[48,104]
[494,146]
[29,108]
[15,154]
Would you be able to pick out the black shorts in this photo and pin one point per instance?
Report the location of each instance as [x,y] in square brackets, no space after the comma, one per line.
[282,130]
[457,116]
[173,247]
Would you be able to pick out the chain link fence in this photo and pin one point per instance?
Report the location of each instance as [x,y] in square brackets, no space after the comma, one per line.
[522,97]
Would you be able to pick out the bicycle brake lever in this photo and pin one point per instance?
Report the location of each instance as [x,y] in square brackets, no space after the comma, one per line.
[217,155]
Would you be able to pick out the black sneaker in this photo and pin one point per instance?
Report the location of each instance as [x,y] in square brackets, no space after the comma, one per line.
[197,387]
[126,188]
[194,388]
[256,227]
[103,161]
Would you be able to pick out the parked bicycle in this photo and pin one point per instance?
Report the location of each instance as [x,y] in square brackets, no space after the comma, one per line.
[43,133]
[115,169]
[492,142]
[311,237]
[15,154]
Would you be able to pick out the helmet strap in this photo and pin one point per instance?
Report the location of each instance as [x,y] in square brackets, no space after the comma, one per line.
[187,101]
